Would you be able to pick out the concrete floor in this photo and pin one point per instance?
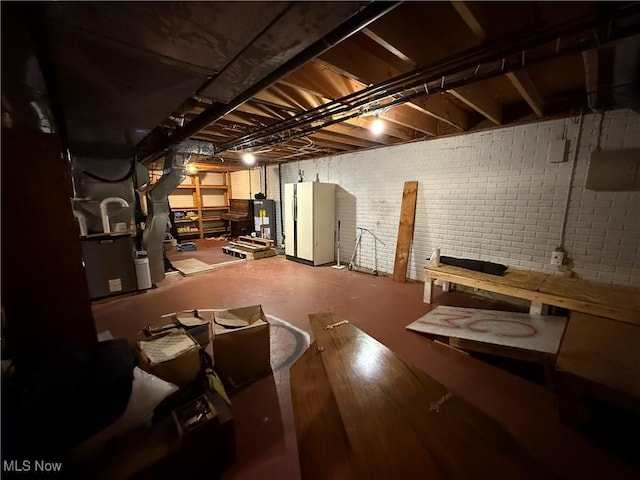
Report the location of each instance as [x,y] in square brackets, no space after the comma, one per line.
[265,434]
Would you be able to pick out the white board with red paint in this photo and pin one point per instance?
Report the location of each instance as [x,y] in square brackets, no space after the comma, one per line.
[540,333]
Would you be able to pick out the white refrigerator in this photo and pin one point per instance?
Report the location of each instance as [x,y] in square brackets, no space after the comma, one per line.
[309,222]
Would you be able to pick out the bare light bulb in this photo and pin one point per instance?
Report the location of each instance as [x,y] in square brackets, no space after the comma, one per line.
[249,158]
[377,127]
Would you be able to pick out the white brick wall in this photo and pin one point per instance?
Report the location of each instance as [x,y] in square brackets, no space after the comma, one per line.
[492,196]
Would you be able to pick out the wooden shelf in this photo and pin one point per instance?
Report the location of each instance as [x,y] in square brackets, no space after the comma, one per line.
[196,189]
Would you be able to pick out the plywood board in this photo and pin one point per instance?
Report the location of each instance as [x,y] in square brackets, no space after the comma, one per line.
[513,278]
[539,333]
[594,292]
[191,266]
[405,230]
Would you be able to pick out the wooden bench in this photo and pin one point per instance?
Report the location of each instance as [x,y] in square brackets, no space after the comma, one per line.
[598,357]
[595,298]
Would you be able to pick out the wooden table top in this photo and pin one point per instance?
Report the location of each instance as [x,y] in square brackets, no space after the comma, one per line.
[603,352]
[596,298]
[361,412]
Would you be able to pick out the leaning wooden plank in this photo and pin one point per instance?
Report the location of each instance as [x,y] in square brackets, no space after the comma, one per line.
[405,230]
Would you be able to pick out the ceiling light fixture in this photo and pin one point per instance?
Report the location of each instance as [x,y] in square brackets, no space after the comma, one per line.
[377,126]
[191,169]
[248,158]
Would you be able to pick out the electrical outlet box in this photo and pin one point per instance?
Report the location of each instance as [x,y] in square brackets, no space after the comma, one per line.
[557,257]
[557,152]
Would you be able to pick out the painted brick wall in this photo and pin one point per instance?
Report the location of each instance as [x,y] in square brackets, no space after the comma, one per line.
[491,195]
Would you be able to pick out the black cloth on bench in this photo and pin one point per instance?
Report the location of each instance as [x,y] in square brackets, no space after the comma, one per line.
[477,265]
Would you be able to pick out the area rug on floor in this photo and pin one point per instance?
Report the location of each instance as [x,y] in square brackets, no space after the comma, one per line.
[540,333]
[287,343]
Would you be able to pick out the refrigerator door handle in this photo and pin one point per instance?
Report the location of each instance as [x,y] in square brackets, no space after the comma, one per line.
[295,208]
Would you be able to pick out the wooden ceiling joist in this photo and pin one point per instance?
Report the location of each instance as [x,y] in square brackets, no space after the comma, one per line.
[410,118]
[358,133]
[371,70]
[394,130]
[470,19]
[480,102]
[321,81]
[441,108]
[523,83]
[342,139]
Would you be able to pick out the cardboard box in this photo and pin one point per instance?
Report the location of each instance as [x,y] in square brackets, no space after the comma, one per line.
[173,356]
[193,322]
[241,346]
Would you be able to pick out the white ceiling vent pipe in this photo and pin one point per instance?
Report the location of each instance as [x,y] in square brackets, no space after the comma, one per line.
[104,205]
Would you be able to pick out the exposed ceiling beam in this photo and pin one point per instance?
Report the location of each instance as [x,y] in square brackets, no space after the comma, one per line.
[358,133]
[313,78]
[398,131]
[320,80]
[470,19]
[369,69]
[411,118]
[442,108]
[523,83]
[389,47]
[324,140]
[342,139]
[480,102]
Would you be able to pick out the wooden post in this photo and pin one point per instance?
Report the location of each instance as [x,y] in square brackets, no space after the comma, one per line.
[44,290]
[405,231]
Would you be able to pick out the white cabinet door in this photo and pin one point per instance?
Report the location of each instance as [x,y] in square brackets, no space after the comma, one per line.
[289,247]
[304,220]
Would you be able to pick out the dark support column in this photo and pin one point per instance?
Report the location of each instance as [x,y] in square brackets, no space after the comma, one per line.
[44,288]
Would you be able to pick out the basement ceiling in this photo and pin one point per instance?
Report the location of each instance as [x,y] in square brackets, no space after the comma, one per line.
[298,80]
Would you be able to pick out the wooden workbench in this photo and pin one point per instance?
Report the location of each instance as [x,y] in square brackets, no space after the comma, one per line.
[595,298]
[598,357]
[361,412]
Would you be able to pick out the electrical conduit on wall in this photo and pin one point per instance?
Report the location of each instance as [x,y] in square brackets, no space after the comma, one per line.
[565,211]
